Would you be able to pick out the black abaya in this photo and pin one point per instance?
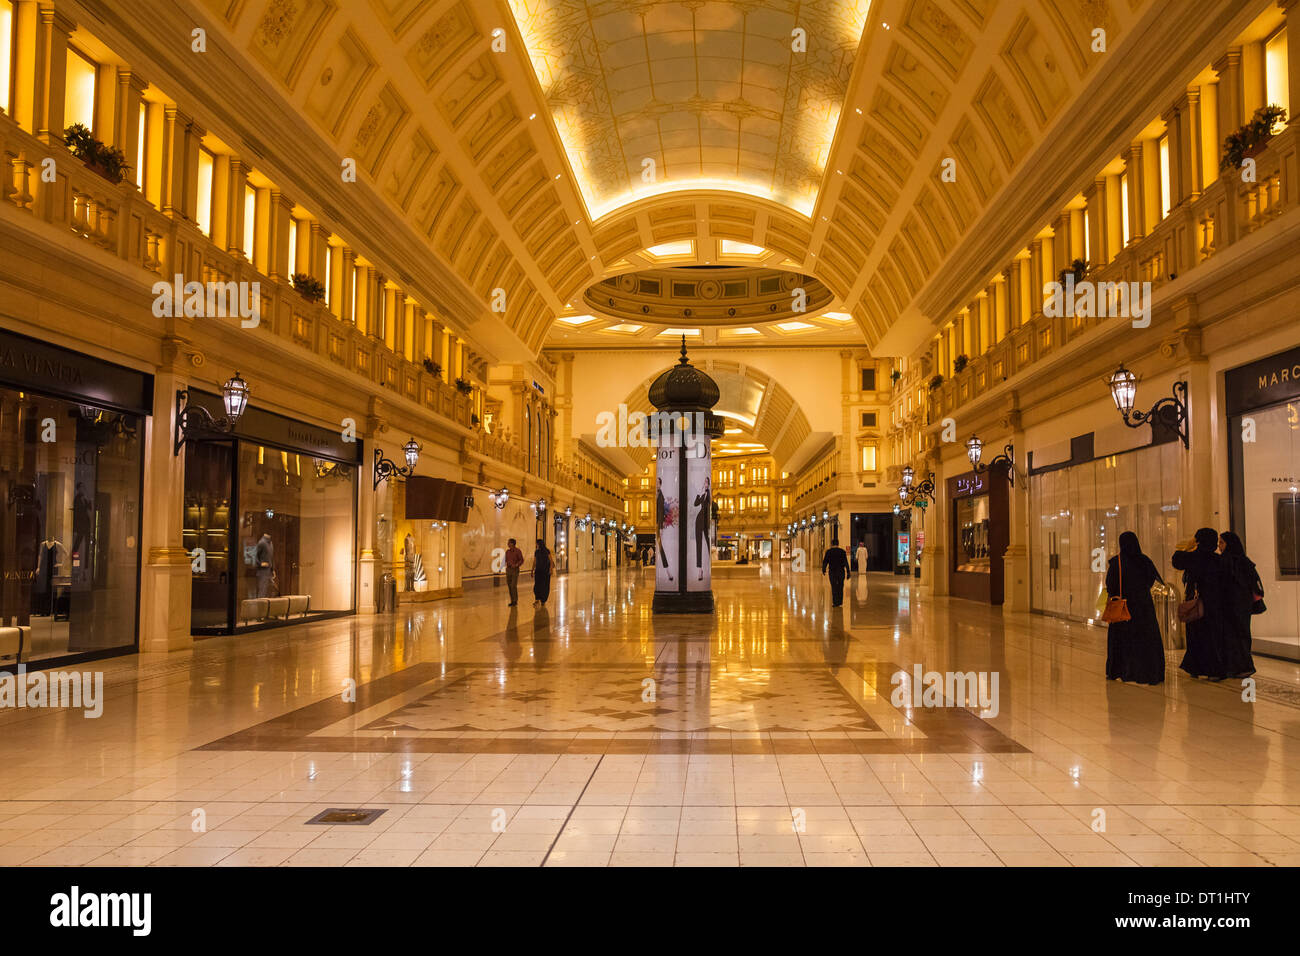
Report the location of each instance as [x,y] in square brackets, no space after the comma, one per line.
[541,575]
[1213,649]
[1134,649]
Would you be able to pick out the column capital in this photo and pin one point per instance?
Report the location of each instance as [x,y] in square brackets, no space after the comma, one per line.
[133,79]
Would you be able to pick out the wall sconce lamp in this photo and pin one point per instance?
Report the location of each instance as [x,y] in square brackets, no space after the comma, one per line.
[910,493]
[194,421]
[386,468]
[975,448]
[499,498]
[1171,410]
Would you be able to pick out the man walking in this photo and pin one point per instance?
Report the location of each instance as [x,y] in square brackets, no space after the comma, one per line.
[835,565]
[861,557]
[514,561]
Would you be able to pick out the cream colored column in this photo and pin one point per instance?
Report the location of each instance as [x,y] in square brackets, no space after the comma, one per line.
[367,559]
[126,121]
[51,73]
[934,561]
[1198,461]
[278,223]
[1291,10]
[166,578]
[1015,562]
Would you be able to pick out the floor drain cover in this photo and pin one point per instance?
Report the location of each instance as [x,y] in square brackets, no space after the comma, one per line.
[358,818]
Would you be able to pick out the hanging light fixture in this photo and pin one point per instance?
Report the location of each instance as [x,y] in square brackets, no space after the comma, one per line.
[194,421]
[974,448]
[386,469]
[499,498]
[412,453]
[908,474]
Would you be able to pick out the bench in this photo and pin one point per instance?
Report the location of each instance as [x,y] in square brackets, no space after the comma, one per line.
[252,610]
[13,640]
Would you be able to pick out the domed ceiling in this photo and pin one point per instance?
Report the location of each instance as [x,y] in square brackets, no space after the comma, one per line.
[650,98]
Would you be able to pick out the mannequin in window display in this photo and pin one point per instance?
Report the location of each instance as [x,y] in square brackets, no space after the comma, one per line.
[51,558]
[408,561]
[83,521]
[264,562]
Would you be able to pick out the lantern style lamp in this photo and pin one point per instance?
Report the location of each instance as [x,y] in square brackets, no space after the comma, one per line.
[195,421]
[1171,410]
[387,470]
[1006,460]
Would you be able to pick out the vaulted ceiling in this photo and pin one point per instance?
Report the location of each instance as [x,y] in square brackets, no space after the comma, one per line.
[489,133]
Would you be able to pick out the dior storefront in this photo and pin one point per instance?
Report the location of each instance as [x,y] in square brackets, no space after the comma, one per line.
[71,480]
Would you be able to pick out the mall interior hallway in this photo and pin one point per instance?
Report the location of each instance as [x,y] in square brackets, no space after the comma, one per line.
[592,732]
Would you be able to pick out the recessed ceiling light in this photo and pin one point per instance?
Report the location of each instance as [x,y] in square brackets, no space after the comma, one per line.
[576,319]
[557,175]
[793,326]
[532,116]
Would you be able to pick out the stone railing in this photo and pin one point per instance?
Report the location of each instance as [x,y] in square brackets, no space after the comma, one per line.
[1195,231]
[117,219]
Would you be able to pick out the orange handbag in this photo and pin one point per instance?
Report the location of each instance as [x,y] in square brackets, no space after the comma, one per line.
[1116,609]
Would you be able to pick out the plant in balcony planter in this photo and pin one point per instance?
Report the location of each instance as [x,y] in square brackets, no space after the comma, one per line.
[936,382]
[895,375]
[432,367]
[473,419]
[959,364]
[310,289]
[107,161]
[464,386]
[1250,140]
[1078,268]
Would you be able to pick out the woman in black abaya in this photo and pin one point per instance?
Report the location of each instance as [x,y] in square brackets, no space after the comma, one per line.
[1243,584]
[1134,650]
[1212,650]
[541,573]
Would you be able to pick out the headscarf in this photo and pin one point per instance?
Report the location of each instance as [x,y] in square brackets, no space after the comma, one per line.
[1232,544]
[1129,546]
[1207,539]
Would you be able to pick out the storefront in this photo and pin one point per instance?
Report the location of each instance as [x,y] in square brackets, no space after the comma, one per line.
[71,481]
[979,535]
[1262,401]
[1086,491]
[270,522]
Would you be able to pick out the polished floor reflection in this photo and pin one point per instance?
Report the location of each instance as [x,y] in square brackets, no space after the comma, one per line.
[593,733]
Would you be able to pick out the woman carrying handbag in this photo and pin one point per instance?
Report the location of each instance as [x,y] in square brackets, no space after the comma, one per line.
[1213,652]
[1134,651]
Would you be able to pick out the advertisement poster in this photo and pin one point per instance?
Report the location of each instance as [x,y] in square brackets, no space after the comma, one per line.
[699,516]
[667,517]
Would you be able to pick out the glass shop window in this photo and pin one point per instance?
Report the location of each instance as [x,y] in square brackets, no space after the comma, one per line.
[70,479]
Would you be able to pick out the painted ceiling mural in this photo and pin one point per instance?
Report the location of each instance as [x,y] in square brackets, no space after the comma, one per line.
[657,97]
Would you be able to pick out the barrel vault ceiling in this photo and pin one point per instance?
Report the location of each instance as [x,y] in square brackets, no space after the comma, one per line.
[825,162]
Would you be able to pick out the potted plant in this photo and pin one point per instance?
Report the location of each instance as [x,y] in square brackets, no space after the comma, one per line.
[473,419]
[464,386]
[1078,268]
[432,367]
[959,364]
[895,375]
[106,161]
[309,288]
[1249,140]
[936,382]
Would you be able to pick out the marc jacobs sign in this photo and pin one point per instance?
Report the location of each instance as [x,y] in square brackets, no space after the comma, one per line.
[1266,382]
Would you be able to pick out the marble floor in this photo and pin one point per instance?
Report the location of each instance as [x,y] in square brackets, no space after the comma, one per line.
[592,733]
